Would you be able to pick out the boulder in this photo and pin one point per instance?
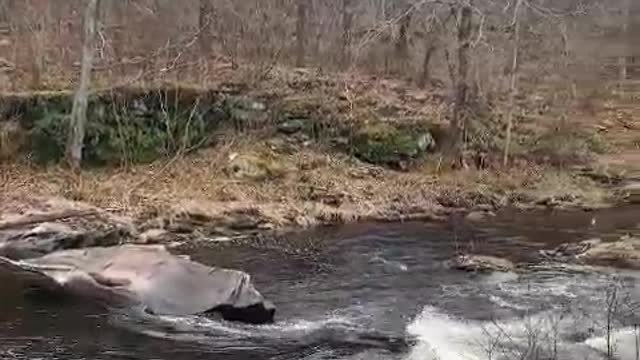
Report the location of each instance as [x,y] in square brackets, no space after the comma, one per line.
[155,236]
[228,219]
[481,263]
[35,227]
[246,111]
[40,240]
[254,167]
[479,216]
[292,126]
[45,238]
[384,144]
[149,277]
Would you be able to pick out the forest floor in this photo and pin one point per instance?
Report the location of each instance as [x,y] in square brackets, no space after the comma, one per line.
[317,185]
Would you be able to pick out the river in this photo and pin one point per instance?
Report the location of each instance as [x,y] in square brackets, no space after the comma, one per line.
[368,291]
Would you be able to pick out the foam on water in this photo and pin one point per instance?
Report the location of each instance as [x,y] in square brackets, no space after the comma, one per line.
[502,302]
[443,338]
[397,265]
[195,328]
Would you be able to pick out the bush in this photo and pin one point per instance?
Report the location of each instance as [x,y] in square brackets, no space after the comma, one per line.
[564,145]
[12,139]
[136,128]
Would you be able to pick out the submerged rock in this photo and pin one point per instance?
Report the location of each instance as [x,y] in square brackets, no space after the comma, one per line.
[481,263]
[151,277]
[623,253]
[568,251]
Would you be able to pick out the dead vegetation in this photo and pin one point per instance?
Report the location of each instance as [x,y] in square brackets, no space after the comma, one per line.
[316,188]
[357,130]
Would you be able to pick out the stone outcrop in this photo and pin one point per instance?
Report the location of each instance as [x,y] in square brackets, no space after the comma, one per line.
[150,277]
[623,253]
[38,227]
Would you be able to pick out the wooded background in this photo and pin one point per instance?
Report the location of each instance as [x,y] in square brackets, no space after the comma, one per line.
[484,51]
[562,42]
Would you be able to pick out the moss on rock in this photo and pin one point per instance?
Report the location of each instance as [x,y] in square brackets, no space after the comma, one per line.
[384,144]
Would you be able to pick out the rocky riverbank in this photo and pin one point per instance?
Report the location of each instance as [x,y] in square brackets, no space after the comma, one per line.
[296,151]
[621,254]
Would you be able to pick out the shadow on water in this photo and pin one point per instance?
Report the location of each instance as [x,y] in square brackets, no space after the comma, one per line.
[366,291]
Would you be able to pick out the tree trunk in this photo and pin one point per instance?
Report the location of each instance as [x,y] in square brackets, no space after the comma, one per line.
[433,42]
[347,24]
[622,58]
[301,33]
[514,80]
[5,16]
[205,22]
[425,77]
[381,12]
[461,104]
[36,44]
[120,46]
[402,43]
[80,101]
[35,54]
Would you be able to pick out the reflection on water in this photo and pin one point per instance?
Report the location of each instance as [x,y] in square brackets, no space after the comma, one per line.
[368,292]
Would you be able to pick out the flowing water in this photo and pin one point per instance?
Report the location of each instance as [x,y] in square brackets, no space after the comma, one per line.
[368,291]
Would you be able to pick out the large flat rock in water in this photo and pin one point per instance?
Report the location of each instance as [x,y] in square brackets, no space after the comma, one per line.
[152,277]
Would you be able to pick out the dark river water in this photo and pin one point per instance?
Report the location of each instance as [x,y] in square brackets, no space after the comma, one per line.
[367,291]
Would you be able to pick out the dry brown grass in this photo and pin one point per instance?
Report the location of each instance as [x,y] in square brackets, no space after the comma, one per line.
[318,187]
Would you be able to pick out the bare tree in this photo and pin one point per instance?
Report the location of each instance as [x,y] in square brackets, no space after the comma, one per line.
[78,121]
[205,22]
[347,29]
[301,32]
[462,87]
[435,27]
[622,58]
[402,42]
[38,14]
[514,79]
[381,10]
[120,39]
